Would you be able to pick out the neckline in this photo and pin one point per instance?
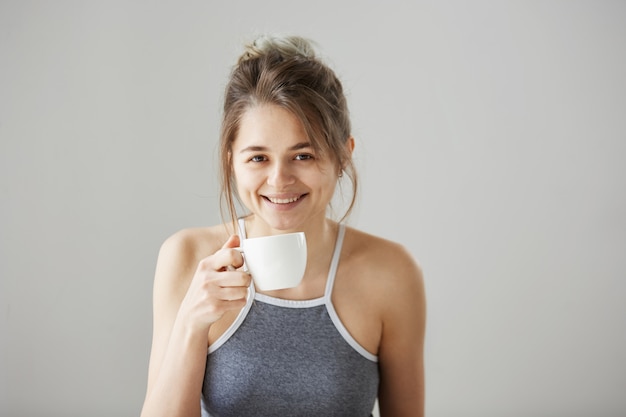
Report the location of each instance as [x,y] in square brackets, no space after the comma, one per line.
[289,303]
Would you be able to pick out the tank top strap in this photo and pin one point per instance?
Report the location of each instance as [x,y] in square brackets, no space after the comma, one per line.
[242,228]
[334,263]
[329,302]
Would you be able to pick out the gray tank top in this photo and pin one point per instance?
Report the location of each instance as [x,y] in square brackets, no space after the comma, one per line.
[289,358]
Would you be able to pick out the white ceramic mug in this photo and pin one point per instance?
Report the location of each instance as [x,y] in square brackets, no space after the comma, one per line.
[275,262]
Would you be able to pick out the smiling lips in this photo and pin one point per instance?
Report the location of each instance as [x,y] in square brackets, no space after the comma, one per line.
[276,200]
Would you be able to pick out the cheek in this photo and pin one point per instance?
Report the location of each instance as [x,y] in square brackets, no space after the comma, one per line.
[325,178]
[323,183]
[246,179]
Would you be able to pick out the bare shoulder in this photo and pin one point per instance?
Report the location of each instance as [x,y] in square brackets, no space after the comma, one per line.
[382,259]
[379,292]
[388,274]
[195,243]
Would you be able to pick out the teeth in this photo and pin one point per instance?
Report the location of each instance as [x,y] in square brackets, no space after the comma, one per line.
[283,200]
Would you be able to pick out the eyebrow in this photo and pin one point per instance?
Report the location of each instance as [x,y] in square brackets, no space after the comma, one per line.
[296,147]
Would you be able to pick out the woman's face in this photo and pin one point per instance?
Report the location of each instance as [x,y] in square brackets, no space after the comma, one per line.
[279,176]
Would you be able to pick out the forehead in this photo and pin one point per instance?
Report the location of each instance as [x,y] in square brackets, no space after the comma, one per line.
[269,125]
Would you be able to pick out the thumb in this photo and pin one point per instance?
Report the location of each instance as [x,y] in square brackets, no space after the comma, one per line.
[232,242]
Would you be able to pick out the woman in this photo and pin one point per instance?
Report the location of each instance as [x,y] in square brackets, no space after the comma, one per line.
[351,332]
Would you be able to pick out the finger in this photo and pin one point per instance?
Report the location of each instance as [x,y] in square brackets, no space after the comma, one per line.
[233,293]
[232,242]
[223,259]
[234,279]
[235,259]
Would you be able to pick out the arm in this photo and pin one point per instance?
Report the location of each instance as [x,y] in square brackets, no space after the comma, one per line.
[189,295]
[401,391]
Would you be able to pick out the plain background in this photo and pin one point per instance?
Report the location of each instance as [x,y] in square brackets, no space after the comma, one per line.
[491,142]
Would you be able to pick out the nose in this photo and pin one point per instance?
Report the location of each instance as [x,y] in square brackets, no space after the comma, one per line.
[280,174]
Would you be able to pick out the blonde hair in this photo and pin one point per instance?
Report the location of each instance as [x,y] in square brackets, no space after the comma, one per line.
[288,46]
[285,71]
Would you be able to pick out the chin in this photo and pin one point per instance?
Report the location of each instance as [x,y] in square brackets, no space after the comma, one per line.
[285,224]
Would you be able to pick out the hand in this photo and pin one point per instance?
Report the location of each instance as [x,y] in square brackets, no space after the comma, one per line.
[216,287]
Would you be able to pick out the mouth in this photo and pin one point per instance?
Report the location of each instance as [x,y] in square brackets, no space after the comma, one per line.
[284,200]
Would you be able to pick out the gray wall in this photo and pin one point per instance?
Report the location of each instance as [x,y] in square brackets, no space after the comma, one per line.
[491,142]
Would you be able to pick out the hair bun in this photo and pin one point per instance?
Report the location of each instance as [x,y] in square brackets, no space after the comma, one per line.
[286,46]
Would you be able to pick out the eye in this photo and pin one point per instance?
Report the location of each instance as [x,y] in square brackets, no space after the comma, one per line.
[303,157]
[258,158]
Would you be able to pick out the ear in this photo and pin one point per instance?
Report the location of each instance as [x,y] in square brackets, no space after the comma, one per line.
[350,143]
[349,147]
